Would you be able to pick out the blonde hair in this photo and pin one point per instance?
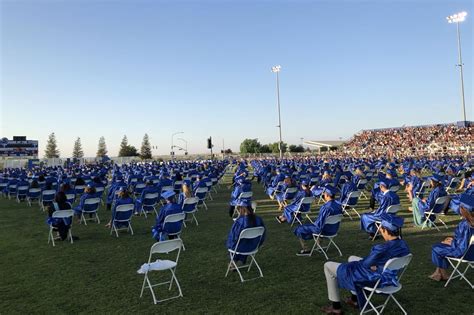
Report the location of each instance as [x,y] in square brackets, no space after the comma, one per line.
[186,191]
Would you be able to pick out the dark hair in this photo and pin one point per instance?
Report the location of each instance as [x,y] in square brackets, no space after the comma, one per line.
[396,233]
[90,190]
[65,187]
[34,184]
[124,194]
[60,197]
[250,215]
[97,180]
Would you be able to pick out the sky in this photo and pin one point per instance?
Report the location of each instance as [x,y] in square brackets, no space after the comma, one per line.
[83,68]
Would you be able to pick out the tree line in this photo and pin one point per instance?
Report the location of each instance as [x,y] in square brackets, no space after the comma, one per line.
[126,149]
[253,146]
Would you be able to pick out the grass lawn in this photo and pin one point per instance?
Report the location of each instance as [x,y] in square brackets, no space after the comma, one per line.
[97,274]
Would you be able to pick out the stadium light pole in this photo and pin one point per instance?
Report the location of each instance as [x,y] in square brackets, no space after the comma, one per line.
[185,144]
[172,139]
[276,69]
[457,18]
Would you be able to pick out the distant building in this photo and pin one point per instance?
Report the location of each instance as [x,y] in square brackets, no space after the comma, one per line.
[318,144]
[18,147]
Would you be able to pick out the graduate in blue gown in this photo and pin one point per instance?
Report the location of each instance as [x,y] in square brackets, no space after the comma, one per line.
[420,206]
[317,190]
[331,207]
[367,220]
[241,185]
[123,198]
[160,231]
[454,246]
[247,219]
[455,199]
[288,211]
[346,189]
[360,272]
[150,188]
[390,179]
[89,193]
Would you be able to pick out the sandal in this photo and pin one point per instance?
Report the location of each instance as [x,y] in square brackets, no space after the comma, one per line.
[303,252]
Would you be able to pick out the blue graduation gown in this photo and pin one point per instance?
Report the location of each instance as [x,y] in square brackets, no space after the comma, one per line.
[307,230]
[84,197]
[293,206]
[357,274]
[239,225]
[367,220]
[462,236]
[122,215]
[346,189]
[159,230]
[430,202]
[238,189]
[146,190]
[455,203]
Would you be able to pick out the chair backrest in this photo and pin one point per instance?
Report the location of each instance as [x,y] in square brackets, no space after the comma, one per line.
[440,204]
[151,196]
[190,201]
[252,232]
[454,182]
[201,190]
[125,208]
[246,195]
[352,198]
[79,188]
[99,189]
[333,219]
[140,186]
[62,214]
[167,188]
[394,188]
[361,184]
[164,247]
[176,217]
[398,263]
[393,209]
[291,190]
[34,190]
[48,195]
[177,184]
[92,201]
[70,197]
[469,254]
[23,189]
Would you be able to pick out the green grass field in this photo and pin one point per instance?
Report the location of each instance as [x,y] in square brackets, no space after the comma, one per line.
[97,274]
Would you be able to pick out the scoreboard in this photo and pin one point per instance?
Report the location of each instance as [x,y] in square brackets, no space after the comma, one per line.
[18,147]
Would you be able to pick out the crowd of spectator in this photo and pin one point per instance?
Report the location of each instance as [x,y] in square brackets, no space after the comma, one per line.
[419,140]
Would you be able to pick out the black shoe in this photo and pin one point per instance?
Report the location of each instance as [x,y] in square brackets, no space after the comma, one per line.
[303,253]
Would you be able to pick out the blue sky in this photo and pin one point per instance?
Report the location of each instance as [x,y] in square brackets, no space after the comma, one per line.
[109,68]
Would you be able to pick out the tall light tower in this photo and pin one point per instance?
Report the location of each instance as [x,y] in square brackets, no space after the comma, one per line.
[172,142]
[276,69]
[457,18]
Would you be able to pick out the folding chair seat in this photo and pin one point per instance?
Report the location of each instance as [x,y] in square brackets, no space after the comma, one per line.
[61,215]
[21,193]
[47,197]
[149,204]
[393,209]
[350,203]
[304,208]
[398,264]
[163,247]
[91,207]
[123,216]
[468,259]
[430,217]
[246,234]
[201,193]
[331,220]
[190,209]
[33,194]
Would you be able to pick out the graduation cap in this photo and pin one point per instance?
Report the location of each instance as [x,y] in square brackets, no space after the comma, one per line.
[392,172]
[393,223]
[436,178]
[305,182]
[330,190]
[167,194]
[467,202]
[382,183]
[187,182]
[90,185]
[244,203]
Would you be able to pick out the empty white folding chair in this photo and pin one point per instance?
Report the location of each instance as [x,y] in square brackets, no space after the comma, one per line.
[123,216]
[468,259]
[163,247]
[398,264]
[190,209]
[250,233]
[331,220]
[304,204]
[435,212]
[393,209]
[61,215]
[350,203]
[47,197]
[149,203]
[91,207]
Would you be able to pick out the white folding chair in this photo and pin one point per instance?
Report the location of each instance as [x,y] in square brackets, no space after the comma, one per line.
[47,196]
[70,198]
[361,187]
[149,202]
[350,203]
[250,233]
[33,194]
[394,188]
[201,193]
[91,206]
[127,220]
[137,191]
[254,206]
[209,187]
[290,191]
[243,195]
[436,211]
[453,185]
[163,247]
[398,264]
[393,209]
[173,218]
[21,192]
[61,215]
[306,201]
[468,259]
[330,220]
[190,208]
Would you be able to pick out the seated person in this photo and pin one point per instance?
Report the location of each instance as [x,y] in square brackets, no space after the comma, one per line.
[123,198]
[150,188]
[317,190]
[331,207]
[457,245]
[116,186]
[62,226]
[241,185]
[160,231]
[295,203]
[346,189]
[89,193]
[280,191]
[360,272]
[414,184]
[367,220]
[247,219]
[186,192]
[454,203]
[390,179]
[420,206]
